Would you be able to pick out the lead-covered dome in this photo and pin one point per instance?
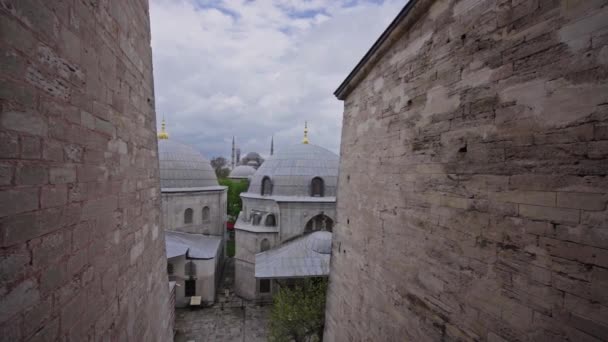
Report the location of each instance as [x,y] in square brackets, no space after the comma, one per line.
[181,166]
[242,172]
[292,170]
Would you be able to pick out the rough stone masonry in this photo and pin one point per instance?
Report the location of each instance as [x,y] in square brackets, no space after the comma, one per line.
[473,183]
[81,251]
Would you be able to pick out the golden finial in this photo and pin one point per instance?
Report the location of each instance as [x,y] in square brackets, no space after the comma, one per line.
[163,134]
[305,140]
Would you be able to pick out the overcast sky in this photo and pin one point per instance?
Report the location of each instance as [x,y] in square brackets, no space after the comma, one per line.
[254,69]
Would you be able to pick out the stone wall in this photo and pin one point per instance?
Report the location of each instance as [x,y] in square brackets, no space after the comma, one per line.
[81,251]
[473,187]
[174,205]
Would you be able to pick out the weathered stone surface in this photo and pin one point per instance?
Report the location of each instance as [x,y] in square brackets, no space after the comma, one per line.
[472,197]
[64,274]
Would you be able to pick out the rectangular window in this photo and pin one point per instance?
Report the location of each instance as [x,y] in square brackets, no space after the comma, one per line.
[264,285]
[190,288]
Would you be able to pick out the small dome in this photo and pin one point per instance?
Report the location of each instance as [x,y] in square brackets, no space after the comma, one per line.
[291,171]
[242,172]
[253,155]
[320,242]
[181,166]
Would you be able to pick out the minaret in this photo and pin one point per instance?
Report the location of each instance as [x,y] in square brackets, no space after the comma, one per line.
[272,145]
[238,156]
[233,152]
[305,140]
[163,133]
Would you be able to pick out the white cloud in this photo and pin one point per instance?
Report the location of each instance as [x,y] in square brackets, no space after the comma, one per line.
[253,69]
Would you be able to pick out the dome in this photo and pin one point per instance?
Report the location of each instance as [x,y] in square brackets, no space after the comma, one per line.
[253,155]
[181,166]
[320,242]
[242,171]
[252,163]
[291,171]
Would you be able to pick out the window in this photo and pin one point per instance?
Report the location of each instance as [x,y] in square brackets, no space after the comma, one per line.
[190,288]
[206,214]
[317,187]
[266,186]
[270,220]
[319,222]
[264,285]
[265,245]
[190,269]
[188,216]
[256,218]
[170,268]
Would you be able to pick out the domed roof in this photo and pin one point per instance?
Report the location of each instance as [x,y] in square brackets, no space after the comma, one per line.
[292,169]
[320,242]
[181,166]
[253,155]
[242,171]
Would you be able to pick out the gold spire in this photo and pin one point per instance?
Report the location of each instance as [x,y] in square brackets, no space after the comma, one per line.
[305,140]
[163,134]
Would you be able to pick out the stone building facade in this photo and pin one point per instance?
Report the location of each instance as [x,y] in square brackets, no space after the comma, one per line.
[280,206]
[194,218]
[82,252]
[472,191]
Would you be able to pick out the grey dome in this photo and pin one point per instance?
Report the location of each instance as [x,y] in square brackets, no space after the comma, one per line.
[242,171]
[253,155]
[291,171]
[181,166]
[320,242]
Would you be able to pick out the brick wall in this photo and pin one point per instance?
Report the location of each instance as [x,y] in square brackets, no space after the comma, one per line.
[473,186]
[81,251]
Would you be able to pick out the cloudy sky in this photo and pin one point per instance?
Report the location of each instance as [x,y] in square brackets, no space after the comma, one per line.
[254,69]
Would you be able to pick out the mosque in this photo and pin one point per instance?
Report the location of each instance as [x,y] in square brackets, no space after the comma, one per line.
[194,216]
[284,229]
[244,168]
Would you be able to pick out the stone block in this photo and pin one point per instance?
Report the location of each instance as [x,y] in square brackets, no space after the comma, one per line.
[62,175]
[585,201]
[53,196]
[6,174]
[52,150]
[9,145]
[18,201]
[541,198]
[30,147]
[73,153]
[550,214]
[32,174]
[49,248]
[22,297]
[24,122]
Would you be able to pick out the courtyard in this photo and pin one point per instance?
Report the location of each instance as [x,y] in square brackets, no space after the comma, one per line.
[230,319]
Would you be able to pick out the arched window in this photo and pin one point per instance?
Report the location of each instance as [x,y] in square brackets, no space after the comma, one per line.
[319,222]
[256,218]
[188,216]
[266,186]
[206,214]
[270,221]
[317,187]
[265,245]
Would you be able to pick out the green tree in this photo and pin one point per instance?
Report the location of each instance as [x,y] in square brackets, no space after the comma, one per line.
[235,187]
[298,313]
[219,165]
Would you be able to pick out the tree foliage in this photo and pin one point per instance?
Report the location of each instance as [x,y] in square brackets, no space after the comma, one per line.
[235,187]
[219,165]
[298,313]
